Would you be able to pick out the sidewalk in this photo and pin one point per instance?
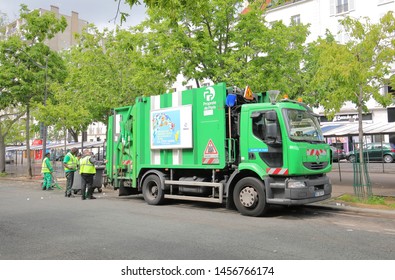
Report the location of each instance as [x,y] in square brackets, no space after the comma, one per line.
[382,183]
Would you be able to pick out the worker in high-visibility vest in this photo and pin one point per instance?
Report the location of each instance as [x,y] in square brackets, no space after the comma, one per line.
[87,171]
[70,164]
[46,170]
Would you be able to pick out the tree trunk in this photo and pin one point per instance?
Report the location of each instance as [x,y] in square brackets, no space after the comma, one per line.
[362,186]
[74,134]
[2,154]
[29,162]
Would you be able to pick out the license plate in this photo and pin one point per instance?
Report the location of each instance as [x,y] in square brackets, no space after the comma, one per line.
[319,193]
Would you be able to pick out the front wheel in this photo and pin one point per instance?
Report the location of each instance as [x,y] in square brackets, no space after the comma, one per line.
[388,159]
[152,191]
[249,197]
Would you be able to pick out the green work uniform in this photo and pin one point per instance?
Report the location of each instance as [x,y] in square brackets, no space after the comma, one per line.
[46,169]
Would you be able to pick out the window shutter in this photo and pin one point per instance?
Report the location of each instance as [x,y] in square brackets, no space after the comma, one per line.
[351,5]
[332,7]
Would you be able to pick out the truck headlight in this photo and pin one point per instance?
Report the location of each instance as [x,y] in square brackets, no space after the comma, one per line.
[296,184]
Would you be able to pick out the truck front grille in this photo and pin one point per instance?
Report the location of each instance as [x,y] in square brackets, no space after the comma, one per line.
[315,165]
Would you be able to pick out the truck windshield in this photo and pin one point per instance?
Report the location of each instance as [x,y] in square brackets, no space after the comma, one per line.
[302,126]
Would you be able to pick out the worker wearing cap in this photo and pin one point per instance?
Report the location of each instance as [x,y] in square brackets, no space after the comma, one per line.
[70,163]
[46,170]
[87,171]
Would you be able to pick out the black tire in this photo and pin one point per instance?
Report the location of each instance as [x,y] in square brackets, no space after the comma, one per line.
[388,159]
[152,190]
[75,191]
[249,197]
[99,190]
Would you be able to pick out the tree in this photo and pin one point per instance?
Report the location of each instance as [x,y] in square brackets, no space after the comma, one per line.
[172,6]
[354,71]
[25,77]
[216,42]
[268,56]
[106,69]
[8,117]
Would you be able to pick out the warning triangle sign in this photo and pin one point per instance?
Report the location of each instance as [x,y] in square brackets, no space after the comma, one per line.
[248,93]
[210,148]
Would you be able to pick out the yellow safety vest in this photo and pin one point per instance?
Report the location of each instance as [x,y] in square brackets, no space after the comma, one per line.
[72,163]
[44,166]
[86,166]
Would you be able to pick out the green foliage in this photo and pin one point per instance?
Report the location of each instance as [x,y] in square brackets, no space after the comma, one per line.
[373,200]
[214,41]
[28,65]
[106,69]
[11,124]
[354,71]
[41,26]
[271,54]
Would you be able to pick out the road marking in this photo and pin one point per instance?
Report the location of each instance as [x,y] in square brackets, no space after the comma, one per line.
[344,224]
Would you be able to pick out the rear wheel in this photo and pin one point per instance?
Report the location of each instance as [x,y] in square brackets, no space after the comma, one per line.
[388,159]
[249,197]
[152,191]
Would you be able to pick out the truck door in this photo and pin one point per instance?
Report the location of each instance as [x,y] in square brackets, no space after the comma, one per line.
[266,143]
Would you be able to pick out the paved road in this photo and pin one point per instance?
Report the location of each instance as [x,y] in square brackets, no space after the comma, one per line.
[45,225]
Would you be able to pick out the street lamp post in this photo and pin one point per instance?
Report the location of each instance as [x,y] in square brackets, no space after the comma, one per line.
[45,104]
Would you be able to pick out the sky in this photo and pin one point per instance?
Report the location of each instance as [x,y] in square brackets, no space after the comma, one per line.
[99,12]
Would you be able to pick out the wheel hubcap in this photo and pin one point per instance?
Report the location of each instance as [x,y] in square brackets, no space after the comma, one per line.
[248,197]
[154,191]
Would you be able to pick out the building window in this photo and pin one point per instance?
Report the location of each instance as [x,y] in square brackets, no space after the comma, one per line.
[391,114]
[341,6]
[295,19]
[391,90]
[189,87]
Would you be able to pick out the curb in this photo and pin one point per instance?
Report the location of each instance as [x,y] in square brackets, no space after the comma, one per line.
[347,207]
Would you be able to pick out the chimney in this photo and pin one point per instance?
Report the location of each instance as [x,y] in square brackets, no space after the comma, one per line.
[55,10]
[74,26]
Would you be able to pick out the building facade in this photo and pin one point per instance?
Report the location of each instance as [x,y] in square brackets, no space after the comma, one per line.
[60,41]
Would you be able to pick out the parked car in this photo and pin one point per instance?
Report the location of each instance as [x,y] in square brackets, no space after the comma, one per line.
[375,152]
[9,158]
[338,154]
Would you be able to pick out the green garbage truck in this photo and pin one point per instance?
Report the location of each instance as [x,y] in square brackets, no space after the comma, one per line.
[219,144]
